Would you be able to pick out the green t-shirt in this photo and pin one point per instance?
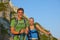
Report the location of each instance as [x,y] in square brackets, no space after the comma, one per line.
[20,24]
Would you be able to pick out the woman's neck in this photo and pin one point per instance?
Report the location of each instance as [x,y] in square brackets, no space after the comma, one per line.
[31,25]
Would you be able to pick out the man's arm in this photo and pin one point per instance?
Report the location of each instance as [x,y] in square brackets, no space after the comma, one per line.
[39,28]
[13,31]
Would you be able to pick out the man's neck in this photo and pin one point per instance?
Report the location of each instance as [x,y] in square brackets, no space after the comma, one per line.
[19,18]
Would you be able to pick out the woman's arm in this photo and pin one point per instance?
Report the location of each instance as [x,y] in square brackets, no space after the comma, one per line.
[42,30]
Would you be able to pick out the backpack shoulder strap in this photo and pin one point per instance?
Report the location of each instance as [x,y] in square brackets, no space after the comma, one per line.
[25,20]
[35,26]
[16,21]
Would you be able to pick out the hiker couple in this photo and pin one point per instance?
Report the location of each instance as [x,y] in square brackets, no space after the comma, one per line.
[23,28]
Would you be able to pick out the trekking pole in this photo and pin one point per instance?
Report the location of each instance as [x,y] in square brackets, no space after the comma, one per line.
[26,38]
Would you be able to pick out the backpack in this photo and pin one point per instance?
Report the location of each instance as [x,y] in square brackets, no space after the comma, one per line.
[37,32]
[17,22]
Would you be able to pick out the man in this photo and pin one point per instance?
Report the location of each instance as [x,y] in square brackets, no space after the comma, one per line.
[19,25]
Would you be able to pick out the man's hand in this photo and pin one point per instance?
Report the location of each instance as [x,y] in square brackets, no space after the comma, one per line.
[22,31]
[26,32]
[13,31]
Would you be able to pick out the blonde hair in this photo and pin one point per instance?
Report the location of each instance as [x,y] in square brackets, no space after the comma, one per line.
[31,18]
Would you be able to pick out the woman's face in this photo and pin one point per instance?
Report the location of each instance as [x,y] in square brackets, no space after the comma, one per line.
[31,21]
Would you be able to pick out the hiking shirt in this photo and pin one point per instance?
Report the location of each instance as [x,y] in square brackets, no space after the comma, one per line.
[19,24]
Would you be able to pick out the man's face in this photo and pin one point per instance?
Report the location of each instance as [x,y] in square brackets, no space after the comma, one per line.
[20,13]
[31,21]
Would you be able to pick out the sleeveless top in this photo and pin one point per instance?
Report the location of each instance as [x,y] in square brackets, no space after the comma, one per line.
[33,34]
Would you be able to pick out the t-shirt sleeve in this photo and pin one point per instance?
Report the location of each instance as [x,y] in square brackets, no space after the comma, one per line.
[12,24]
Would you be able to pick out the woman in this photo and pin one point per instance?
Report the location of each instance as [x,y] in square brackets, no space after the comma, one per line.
[33,33]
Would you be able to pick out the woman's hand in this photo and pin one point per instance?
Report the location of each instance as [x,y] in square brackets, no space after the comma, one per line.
[48,33]
[26,30]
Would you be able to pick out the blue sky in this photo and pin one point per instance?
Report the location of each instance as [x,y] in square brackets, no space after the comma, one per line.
[46,12]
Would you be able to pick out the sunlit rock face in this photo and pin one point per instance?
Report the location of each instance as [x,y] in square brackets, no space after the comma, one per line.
[7,12]
[4,26]
[1,14]
[9,8]
[4,1]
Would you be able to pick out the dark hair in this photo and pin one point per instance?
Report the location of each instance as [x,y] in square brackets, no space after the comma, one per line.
[31,18]
[20,9]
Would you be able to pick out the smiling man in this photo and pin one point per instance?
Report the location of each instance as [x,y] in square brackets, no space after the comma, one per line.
[19,25]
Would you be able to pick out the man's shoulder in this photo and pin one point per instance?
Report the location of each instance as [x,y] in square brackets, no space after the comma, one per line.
[26,19]
[13,20]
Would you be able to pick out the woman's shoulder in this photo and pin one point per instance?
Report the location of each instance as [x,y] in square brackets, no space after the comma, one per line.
[36,23]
